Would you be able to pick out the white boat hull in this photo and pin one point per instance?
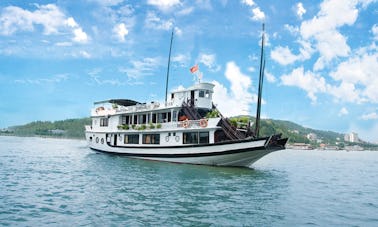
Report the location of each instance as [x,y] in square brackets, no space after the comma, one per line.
[236,153]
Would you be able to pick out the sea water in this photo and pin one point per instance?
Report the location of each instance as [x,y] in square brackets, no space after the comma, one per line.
[58,182]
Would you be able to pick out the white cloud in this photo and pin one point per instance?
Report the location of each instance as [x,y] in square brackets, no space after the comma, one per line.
[154,22]
[42,81]
[374,30]
[270,77]
[141,68]
[185,11]
[209,60]
[85,54]
[257,14]
[346,92]
[50,17]
[164,4]
[300,10]
[308,81]
[323,29]
[120,31]
[370,116]
[343,111]
[360,70]
[238,99]
[181,59]
[80,36]
[248,2]
[283,55]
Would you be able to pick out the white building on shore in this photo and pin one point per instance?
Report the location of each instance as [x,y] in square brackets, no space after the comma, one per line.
[351,137]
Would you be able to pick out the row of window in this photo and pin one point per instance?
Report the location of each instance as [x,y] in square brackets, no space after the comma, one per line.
[188,138]
[149,118]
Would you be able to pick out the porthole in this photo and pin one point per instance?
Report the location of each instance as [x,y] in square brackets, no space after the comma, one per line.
[177,138]
[102,140]
[97,139]
[167,138]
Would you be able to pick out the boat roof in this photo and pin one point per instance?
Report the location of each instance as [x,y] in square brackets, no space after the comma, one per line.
[122,102]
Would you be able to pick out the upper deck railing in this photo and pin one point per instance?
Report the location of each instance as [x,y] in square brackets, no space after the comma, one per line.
[111,110]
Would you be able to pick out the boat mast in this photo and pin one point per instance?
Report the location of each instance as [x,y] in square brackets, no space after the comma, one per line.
[261,80]
[169,62]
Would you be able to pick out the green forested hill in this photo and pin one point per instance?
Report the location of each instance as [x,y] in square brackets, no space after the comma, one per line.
[71,128]
[74,128]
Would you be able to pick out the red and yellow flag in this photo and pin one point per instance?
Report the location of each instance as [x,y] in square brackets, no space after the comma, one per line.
[194,69]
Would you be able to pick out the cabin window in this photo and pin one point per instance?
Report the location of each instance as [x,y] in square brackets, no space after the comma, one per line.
[201,94]
[125,120]
[172,96]
[203,137]
[151,139]
[142,119]
[131,139]
[207,95]
[190,137]
[154,118]
[169,115]
[174,116]
[104,122]
[196,137]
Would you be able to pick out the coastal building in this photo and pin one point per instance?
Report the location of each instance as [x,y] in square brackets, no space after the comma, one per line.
[312,136]
[351,137]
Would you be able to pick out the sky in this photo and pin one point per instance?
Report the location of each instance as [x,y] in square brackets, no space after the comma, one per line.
[321,71]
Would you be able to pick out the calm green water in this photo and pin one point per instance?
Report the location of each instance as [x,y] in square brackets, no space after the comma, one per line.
[63,183]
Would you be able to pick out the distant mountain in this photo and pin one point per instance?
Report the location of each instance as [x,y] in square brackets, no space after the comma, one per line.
[71,128]
[74,128]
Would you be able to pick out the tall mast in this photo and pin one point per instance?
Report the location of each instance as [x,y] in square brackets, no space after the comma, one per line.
[169,62]
[261,80]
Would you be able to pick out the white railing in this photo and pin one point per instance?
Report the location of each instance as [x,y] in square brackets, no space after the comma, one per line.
[169,125]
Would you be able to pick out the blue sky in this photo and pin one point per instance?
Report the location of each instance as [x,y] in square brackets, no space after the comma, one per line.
[58,57]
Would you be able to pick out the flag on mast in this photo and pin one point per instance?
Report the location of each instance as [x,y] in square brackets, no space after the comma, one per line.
[194,69]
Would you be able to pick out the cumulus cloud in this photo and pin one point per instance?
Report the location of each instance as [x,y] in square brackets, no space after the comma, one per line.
[324,29]
[353,78]
[141,68]
[270,77]
[300,10]
[343,111]
[50,17]
[120,32]
[209,60]
[164,4]
[238,99]
[257,13]
[308,81]
[370,116]
[155,22]
[283,55]
[360,70]
[374,30]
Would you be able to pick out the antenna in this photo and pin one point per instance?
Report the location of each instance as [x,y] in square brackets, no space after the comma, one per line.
[261,80]
[169,62]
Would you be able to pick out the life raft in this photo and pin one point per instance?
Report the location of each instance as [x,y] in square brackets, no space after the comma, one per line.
[203,123]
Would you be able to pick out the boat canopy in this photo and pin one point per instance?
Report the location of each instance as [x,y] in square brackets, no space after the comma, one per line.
[122,102]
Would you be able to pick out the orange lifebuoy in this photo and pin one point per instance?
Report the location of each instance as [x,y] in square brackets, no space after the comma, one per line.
[203,123]
[185,123]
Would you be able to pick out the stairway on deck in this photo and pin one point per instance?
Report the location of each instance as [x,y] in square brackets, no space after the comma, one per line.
[190,111]
[231,132]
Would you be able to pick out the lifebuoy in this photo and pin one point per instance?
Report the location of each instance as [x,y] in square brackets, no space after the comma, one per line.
[186,124]
[167,138]
[203,123]
[177,138]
